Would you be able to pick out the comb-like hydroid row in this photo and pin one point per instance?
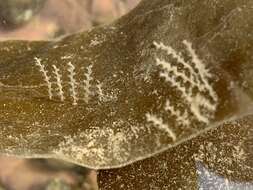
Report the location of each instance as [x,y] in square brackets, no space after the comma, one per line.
[192,80]
[78,91]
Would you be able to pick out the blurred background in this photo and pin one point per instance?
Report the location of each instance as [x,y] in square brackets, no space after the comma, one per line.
[46,20]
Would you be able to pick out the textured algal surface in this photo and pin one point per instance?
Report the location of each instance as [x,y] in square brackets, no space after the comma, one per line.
[218,159]
[159,76]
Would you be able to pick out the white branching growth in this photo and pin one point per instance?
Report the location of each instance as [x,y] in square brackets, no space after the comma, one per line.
[100,91]
[182,119]
[170,51]
[203,72]
[87,84]
[59,83]
[77,91]
[72,82]
[158,122]
[45,75]
[185,77]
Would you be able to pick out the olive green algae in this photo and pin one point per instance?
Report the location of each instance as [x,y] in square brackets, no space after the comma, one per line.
[100,98]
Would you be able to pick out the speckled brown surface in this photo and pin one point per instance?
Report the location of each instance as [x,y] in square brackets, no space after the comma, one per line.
[219,159]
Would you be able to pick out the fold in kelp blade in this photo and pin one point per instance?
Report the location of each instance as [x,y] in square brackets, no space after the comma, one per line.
[124,92]
[218,159]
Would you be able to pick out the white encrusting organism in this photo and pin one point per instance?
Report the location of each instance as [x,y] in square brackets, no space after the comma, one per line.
[180,118]
[46,77]
[72,82]
[197,78]
[174,69]
[192,80]
[158,122]
[203,72]
[78,91]
[59,83]
[170,51]
[100,91]
[194,101]
[87,84]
